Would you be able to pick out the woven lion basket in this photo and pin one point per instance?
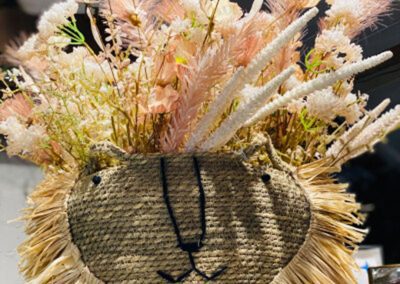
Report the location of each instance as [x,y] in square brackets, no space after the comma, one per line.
[185,218]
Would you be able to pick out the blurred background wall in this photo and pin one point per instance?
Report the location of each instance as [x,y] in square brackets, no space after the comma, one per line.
[17,178]
[373,177]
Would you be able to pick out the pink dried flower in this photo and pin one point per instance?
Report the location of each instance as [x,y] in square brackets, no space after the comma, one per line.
[247,39]
[337,48]
[16,106]
[163,100]
[355,15]
[250,48]
[168,10]
[165,68]
[134,22]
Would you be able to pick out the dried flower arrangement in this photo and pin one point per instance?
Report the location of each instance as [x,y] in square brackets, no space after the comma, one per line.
[198,76]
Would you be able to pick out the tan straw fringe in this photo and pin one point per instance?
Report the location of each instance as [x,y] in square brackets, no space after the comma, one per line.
[327,254]
[48,255]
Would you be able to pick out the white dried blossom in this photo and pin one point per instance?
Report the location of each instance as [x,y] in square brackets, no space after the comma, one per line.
[324,105]
[79,61]
[28,49]
[337,48]
[97,72]
[57,16]
[346,7]
[353,106]
[59,41]
[72,59]
[356,15]
[21,140]
[180,25]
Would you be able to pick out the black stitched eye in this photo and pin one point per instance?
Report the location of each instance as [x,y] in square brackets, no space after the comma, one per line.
[266,178]
[96,180]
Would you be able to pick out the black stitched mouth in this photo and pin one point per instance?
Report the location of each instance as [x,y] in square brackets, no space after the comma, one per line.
[191,247]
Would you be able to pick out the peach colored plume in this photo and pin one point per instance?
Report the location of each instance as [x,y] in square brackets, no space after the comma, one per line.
[16,106]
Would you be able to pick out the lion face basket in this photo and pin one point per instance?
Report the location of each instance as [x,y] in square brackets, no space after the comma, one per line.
[186,218]
[157,128]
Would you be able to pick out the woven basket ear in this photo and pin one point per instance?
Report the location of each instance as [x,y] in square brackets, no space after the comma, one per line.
[101,150]
[110,150]
[264,141]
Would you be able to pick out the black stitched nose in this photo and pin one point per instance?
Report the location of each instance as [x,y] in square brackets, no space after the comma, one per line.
[96,180]
[191,247]
[266,178]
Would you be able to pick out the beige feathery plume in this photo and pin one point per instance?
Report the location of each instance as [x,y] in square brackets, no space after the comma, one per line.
[321,82]
[201,75]
[235,121]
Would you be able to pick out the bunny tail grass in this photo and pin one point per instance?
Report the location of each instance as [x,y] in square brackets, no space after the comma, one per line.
[49,255]
[327,254]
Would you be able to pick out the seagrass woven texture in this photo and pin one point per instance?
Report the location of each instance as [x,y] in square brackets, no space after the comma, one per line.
[251,228]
